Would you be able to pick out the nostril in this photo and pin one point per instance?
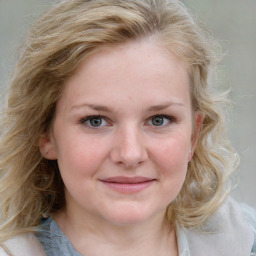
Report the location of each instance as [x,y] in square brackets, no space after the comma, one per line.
[130,164]
[129,151]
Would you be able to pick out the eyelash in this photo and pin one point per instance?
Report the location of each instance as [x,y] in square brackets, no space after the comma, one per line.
[88,118]
[170,119]
[83,121]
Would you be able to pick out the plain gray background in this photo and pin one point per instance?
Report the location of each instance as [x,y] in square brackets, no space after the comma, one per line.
[233,24]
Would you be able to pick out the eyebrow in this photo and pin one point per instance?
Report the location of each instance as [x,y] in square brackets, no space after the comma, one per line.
[92,106]
[164,106]
[107,109]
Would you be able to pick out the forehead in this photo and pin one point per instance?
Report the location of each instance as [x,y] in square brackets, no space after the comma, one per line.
[136,69]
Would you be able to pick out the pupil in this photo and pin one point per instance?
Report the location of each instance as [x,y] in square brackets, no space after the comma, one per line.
[158,120]
[96,122]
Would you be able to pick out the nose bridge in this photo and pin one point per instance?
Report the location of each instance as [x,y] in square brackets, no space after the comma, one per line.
[129,149]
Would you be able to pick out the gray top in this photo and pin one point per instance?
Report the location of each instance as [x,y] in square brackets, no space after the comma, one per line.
[54,241]
[235,235]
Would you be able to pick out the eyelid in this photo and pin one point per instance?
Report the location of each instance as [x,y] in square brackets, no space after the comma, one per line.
[171,119]
[87,118]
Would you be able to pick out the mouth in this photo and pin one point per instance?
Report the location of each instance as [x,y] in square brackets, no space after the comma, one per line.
[128,184]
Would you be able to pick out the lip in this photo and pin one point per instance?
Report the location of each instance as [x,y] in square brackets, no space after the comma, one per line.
[128,185]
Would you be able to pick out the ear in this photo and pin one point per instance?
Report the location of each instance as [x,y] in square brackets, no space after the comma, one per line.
[199,117]
[47,147]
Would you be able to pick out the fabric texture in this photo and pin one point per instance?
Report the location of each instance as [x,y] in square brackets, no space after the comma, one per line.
[228,233]
[24,245]
[250,216]
[54,240]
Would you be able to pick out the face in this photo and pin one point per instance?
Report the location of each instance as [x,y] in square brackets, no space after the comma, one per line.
[122,133]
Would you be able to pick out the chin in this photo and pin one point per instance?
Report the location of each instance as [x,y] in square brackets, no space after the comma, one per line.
[128,220]
[131,216]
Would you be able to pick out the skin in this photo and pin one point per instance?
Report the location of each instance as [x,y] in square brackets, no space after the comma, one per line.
[129,85]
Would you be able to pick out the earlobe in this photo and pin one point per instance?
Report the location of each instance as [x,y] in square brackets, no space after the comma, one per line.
[47,148]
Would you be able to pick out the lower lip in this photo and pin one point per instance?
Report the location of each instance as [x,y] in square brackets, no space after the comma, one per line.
[128,188]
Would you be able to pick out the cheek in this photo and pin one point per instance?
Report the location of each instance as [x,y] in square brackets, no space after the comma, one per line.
[173,162]
[171,158]
[173,151]
[81,158]
[79,166]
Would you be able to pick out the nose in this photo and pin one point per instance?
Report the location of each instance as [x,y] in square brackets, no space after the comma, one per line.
[129,148]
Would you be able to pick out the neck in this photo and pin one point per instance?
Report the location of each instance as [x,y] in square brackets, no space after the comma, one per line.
[92,236]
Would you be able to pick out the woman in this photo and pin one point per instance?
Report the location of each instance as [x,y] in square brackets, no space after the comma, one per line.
[112,143]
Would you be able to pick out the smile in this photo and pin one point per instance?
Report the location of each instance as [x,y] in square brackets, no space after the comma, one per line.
[128,185]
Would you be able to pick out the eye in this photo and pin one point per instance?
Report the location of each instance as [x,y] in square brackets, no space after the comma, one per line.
[161,120]
[94,121]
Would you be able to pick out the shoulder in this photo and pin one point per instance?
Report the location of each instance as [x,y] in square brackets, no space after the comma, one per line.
[23,245]
[250,216]
[220,235]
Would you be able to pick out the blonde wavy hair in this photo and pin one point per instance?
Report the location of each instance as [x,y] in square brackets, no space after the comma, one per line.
[31,186]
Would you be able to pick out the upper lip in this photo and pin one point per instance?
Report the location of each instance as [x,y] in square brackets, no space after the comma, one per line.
[127,180]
